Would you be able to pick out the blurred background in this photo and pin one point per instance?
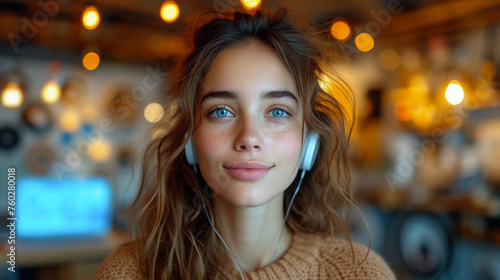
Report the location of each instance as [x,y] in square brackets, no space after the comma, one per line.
[80,83]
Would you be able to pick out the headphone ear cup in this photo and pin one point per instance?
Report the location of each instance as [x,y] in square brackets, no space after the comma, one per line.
[309,151]
[191,154]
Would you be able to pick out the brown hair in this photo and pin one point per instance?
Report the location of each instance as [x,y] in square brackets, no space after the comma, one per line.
[174,239]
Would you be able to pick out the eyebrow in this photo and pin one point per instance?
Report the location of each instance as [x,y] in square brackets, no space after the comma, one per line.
[265,95]
[279,94]
[219,94]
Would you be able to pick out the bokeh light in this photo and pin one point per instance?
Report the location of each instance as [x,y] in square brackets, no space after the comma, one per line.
[389,59]
[424,116]
[403,110]
[364,42]
[454,93]
[153,112]
[69,121]
[51,92]
[91,17]
[91,60]
[100,151]
[250,4]
[12,96]
[169,11]
[418,86]
[340,30]
[89,112]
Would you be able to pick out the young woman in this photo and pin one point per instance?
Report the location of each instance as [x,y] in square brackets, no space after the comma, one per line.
[250,178]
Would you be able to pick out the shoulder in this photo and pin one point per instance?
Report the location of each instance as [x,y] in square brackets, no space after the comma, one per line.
[121,264]
[344,261]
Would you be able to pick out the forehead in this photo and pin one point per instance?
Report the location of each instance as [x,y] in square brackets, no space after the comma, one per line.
[252,67]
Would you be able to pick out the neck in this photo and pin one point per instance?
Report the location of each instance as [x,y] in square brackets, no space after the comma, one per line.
[252,233]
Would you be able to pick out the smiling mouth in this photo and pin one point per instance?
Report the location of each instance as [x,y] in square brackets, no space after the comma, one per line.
[247,170]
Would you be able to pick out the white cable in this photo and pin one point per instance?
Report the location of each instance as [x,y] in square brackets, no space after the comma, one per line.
[286,215]
[224,242]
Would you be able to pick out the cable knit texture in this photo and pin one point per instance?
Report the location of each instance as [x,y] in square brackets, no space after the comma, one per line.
[309,257]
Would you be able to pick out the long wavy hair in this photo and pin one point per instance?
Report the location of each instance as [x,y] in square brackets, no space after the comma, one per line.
[173,238]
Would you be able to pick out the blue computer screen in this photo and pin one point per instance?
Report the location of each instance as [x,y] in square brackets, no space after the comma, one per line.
[52,207]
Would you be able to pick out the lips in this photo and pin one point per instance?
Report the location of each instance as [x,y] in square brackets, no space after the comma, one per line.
[247,170]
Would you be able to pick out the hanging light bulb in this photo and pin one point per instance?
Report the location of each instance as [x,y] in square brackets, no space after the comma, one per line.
[169,11]
[51,92]
[12,95]
[91,17]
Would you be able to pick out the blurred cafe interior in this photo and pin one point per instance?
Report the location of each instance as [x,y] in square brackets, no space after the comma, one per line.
[80,85]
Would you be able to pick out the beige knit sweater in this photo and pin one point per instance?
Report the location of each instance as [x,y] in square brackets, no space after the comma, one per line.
[309,257]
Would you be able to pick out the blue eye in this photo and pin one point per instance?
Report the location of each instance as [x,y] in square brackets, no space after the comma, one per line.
[279,113]
[220,113]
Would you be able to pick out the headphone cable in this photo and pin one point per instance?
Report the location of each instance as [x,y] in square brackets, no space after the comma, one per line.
[223,242]
[286,215]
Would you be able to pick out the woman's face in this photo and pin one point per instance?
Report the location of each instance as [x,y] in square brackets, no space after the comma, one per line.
[250,137]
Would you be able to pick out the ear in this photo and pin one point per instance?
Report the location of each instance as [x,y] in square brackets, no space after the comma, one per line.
[309,151]
[191,154]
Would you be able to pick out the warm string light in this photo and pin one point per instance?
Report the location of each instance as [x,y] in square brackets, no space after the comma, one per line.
[91,17]
[169,11]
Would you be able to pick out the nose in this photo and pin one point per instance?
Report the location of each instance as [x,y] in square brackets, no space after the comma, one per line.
[249,135]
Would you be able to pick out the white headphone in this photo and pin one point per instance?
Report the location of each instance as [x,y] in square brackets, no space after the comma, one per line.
[307,157]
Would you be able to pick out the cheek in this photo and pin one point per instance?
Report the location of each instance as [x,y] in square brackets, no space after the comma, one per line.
[209,139]
[288,148]
[210,146]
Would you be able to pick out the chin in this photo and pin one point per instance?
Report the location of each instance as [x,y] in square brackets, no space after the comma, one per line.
[247,195]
